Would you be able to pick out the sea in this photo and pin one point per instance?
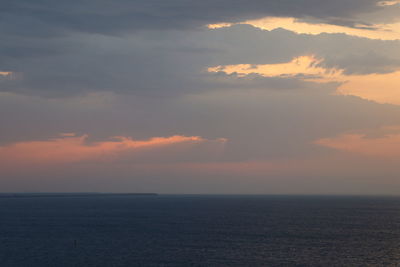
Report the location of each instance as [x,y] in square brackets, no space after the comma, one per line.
[198,230]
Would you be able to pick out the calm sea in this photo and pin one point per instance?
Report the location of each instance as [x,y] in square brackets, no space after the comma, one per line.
[196,230]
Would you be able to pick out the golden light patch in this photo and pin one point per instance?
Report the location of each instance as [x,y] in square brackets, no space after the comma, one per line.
[388,3]
[5,73]
[219,25]
[381,88]
[377,31]
[309,67]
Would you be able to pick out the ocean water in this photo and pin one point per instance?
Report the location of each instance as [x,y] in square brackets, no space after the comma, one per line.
[195,230]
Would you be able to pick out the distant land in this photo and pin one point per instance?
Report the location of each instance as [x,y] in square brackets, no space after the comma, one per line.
[25,195]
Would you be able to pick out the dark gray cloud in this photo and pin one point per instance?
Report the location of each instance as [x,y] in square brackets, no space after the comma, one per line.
[49,18]
[76,47]
[170,63]
[387,14]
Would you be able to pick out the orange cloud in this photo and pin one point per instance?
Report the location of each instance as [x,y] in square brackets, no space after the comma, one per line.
[377,31]
[382,88]
[69,148]
[308,67]
[6,73]
[383,145]
[389,3]
[378,87]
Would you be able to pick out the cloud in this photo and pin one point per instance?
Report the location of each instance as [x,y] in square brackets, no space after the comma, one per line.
[306,67]
[130,47]
[142,69]
[69,148]
[100,16]
[7,76]
[376,31]
[171,63]
[379,87]
[388,3]
[259,123]
[386,144]
[268,151]
[382,88]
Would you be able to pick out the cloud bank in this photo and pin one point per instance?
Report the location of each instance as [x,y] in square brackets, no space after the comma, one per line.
[277,77]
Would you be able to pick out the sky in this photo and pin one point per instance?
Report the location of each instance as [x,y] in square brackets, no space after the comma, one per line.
[200,97]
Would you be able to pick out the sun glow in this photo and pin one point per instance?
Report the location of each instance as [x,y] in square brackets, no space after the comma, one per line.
[308,67]
[378,87]
[378,31]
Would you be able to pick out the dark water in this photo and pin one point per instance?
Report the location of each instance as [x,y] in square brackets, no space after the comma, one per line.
[200,231]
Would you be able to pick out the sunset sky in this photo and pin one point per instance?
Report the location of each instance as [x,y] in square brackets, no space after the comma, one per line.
[179,96]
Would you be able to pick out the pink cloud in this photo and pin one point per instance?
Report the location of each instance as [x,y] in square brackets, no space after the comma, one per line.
[384,142]
[69,148]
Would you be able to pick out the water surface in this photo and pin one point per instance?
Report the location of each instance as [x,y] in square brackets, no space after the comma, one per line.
[199,231]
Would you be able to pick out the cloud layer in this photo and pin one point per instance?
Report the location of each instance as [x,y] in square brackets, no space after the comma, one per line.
[285,98]
[69,148]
